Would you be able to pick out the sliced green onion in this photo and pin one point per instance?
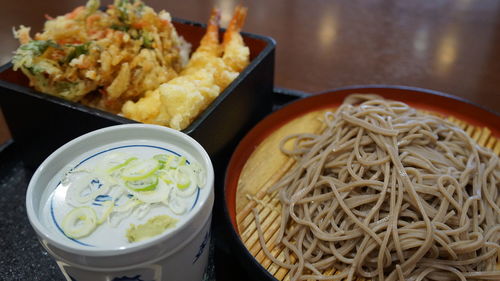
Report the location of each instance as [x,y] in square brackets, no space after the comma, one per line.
[182,161]
[109,208]
[115,218]
[111,160]
[159,194]
[166,175]
[79,222]
[186,181]
[146,184]
[79,189]
[171,161]
[162,159]
[200,174]
[183,178]
[176,161]
[121,165]
[125,207]
[175,205]
[132,185]
[140,170]
[141,211]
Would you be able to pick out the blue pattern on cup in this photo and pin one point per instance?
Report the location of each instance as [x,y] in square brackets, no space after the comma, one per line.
[201,249]
[126,278]
[96,183]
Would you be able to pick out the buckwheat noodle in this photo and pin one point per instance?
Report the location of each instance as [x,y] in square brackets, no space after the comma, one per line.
[388,193]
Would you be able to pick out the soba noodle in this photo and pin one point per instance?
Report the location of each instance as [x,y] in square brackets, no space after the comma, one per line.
[388,193]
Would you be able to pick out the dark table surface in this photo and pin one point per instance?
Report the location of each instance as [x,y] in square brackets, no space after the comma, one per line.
[452,46]
[22,257]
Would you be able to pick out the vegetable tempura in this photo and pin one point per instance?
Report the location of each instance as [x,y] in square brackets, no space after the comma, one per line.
[124,52]
[130,60]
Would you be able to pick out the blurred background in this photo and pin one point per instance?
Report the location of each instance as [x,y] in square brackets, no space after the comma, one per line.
[451,46]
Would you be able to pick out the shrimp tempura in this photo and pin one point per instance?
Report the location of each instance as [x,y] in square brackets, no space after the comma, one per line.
[211,69]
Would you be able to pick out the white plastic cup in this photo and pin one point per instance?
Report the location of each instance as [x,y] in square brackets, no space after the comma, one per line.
[181,254]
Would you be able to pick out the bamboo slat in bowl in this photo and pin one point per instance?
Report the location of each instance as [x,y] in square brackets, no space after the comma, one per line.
[266,165]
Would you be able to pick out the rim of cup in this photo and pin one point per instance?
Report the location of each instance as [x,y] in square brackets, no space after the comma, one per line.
[33,209]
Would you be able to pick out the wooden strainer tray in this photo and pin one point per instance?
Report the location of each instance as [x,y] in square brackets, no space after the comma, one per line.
[265,165]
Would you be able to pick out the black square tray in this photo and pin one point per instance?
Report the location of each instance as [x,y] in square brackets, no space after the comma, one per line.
[41,123]
[22,254]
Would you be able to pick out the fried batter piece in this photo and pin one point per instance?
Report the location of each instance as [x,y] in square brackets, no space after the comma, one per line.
[210,70]
[124,52]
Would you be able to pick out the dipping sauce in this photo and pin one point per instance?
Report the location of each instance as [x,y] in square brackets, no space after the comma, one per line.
[141,188]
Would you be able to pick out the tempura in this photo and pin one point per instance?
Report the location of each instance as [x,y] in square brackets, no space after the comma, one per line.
[123,52]
[130,60]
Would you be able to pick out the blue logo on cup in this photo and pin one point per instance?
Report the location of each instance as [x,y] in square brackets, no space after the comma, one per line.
[124,278]
[202,246]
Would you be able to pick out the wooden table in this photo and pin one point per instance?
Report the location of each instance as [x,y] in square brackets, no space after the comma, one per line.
[451,46]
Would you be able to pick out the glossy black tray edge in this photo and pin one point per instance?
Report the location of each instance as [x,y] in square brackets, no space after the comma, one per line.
[227,262]
[250,92]
[226,265]
[270,45]
[281,96]
[251,268]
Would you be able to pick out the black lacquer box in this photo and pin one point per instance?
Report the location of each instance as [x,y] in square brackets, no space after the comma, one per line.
[41,123]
